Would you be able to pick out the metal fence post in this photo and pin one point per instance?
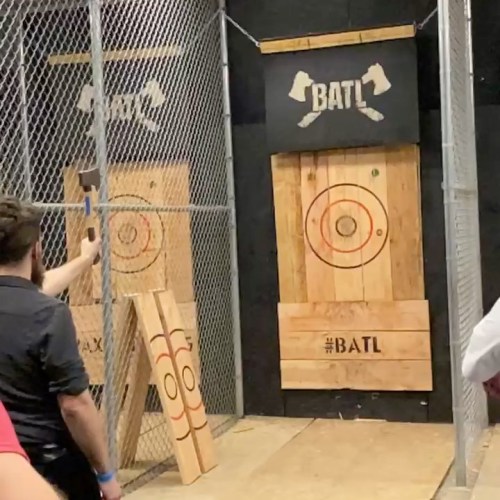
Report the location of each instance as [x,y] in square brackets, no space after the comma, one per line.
[101,160]
[28,192]
[460,191]
[235,294]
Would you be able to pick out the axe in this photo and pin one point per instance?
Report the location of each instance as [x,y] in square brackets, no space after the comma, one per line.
[90,180]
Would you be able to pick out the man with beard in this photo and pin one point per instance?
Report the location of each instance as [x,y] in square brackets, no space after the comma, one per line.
[43,383]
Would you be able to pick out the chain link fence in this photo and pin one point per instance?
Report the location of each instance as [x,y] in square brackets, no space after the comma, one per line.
[462,220]
[140,90]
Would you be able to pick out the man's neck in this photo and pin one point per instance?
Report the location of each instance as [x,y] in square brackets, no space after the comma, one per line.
[16,271]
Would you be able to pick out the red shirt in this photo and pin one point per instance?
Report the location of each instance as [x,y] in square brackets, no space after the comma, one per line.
[8,438]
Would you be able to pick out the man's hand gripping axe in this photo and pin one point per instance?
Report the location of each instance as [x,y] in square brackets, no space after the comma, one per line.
[90,181]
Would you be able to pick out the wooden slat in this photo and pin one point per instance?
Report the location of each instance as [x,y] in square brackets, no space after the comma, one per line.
[289,228]
[167,385]
[188,381]
[404,209]
[357,375]
[342,169]
[319,276]
[411,315]
[145,254]
[190,318]
[130,425]
[337,39]
[88,325]
[372,175]
[178,245]
[117,55]
[388,345]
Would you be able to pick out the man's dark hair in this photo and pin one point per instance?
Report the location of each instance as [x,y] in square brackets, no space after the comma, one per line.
[19,229]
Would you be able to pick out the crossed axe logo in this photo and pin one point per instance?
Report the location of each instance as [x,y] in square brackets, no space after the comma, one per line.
[339,94]
[125,107]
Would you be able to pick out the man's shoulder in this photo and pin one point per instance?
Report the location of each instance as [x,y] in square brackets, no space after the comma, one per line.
[44,306]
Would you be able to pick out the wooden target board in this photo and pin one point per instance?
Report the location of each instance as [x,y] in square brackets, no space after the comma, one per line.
[349,231]
[149,249]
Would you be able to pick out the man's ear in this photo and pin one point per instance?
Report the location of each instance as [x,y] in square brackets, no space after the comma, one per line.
[36,252]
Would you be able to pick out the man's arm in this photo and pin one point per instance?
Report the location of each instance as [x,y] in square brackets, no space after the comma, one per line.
[57,280]
[68,380]
[86,427]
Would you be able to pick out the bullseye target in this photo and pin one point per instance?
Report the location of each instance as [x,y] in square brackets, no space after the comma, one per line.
[346,226]
[136,237]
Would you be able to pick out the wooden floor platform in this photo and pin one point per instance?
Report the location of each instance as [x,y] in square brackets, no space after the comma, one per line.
[302,459]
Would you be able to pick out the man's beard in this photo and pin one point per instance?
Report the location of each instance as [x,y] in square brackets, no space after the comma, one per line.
[37,273]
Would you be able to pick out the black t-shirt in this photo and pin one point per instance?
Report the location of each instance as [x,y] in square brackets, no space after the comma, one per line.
[39,359]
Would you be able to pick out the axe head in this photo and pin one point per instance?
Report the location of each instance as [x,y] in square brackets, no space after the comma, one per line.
[89,179]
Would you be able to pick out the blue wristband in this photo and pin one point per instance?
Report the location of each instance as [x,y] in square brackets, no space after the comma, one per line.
[106,477]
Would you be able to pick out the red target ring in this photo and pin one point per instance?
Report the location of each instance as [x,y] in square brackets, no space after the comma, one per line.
[137,238]
[324,222]
[348,230]
[145,222]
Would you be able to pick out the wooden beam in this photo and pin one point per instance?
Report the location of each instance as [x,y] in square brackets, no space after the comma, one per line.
[118,55]
[377,375]
[337,39]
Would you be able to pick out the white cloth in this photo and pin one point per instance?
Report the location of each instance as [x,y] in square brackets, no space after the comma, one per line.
[482,358]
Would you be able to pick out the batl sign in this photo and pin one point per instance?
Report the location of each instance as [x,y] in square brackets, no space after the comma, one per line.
[125,107]
[351,96]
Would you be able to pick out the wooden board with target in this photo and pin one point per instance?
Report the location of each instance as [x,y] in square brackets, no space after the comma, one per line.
[348,230]
[150,250]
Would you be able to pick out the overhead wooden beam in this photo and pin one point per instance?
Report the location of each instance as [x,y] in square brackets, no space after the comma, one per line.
[337,39]
[118,55]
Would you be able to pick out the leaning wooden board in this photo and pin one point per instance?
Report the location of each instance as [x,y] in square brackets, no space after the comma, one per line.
[164,374]
[188,381]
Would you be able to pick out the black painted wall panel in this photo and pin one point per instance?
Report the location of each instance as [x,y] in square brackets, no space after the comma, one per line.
[257,241]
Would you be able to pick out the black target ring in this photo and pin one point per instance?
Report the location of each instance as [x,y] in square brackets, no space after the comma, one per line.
[308,215]
[167,377]
[192,383]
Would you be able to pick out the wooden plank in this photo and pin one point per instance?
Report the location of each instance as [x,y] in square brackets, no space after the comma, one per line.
[178,246]
[376,254]
[117,55]
[342,171]
[320,277]
[135,403]
[126,339]
[137,238]
[88,325]
[408,315]
[190,318]
[289,227]
[404,210]
[188,382]
[357,375]
[337,39]
[345,345]
[168,386]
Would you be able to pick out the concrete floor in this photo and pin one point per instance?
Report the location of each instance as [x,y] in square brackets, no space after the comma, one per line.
[302,459]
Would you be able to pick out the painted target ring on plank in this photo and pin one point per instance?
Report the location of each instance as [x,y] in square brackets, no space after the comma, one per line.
[137,238]
[346,226]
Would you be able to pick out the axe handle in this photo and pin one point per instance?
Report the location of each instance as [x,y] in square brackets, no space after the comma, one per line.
[91,233]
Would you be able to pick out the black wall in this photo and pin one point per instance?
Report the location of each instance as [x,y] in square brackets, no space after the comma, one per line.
[257,242]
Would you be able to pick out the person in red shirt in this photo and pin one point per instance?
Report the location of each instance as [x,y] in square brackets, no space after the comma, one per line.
[18,480]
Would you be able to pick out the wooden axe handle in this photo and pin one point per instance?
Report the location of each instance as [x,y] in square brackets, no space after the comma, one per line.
[91,233]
